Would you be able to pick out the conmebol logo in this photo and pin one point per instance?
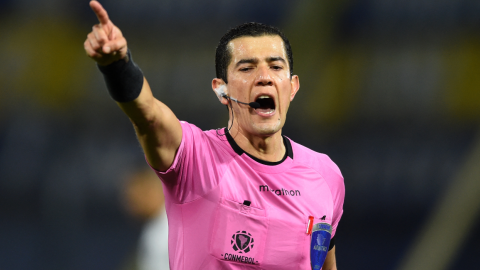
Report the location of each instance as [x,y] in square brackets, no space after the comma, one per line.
[242,242]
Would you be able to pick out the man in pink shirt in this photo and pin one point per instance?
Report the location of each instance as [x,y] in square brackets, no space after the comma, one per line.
[243,197]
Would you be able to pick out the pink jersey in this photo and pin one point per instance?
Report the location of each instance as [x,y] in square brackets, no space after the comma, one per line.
[228,211]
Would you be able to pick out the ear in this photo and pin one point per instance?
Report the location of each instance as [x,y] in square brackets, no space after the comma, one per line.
[220,89]
[295,82]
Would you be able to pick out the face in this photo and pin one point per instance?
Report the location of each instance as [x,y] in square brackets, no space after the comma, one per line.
[259,72]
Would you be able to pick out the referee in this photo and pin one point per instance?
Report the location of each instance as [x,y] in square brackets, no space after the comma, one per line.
[241,197]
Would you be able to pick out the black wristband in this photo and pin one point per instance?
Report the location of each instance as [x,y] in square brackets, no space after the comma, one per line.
[124,79]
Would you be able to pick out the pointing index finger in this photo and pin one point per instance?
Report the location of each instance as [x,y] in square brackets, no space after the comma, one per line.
[101,13]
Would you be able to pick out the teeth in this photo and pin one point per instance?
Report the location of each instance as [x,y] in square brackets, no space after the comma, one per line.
[264,96]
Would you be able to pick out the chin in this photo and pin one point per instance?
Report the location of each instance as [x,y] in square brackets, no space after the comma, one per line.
[267,128]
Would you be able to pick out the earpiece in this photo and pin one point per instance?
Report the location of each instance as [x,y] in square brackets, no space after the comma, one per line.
[221,92]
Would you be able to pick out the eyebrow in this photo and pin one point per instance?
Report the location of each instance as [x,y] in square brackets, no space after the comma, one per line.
[255,60]
[277,58]
[247,61]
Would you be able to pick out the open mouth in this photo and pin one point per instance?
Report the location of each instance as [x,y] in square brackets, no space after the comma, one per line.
[267,104]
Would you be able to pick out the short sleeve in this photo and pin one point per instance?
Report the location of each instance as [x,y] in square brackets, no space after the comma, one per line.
[338,200]
[196,168]
[337,187]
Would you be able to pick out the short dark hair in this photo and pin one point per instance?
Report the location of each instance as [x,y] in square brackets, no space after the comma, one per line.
[252,29]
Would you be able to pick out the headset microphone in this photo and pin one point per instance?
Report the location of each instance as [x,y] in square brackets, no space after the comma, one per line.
[254,105]
[221,94]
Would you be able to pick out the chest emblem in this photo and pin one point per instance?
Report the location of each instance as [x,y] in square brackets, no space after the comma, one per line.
[242,242]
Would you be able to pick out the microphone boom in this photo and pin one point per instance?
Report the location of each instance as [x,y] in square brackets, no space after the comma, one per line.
[253,105]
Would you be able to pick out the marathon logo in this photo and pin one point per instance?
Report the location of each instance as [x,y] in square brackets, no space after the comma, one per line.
[281,192]
[238,258]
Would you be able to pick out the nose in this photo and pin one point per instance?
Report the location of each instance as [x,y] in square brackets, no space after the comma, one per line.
[263,77]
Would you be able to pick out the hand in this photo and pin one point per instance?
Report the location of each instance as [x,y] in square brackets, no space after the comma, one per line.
[105,44]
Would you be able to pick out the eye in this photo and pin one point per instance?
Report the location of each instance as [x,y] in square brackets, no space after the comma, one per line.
[277,67]
[245,69]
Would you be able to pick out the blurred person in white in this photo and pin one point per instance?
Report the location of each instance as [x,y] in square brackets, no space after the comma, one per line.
[145,201]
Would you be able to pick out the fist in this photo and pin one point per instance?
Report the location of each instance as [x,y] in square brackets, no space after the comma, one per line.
[105,44]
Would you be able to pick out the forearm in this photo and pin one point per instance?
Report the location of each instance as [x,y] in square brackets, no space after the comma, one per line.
[157,128]
[127,85]
[141,110]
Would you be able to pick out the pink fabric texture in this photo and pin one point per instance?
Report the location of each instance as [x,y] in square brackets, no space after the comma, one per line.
[212,227]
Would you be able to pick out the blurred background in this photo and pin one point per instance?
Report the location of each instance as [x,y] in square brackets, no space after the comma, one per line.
[390,90]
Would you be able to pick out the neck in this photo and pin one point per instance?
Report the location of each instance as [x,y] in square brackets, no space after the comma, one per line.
[265,147]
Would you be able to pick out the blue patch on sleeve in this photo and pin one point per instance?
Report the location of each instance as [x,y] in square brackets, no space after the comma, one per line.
[321,234]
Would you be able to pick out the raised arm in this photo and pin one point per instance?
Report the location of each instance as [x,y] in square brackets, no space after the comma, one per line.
[157,127]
